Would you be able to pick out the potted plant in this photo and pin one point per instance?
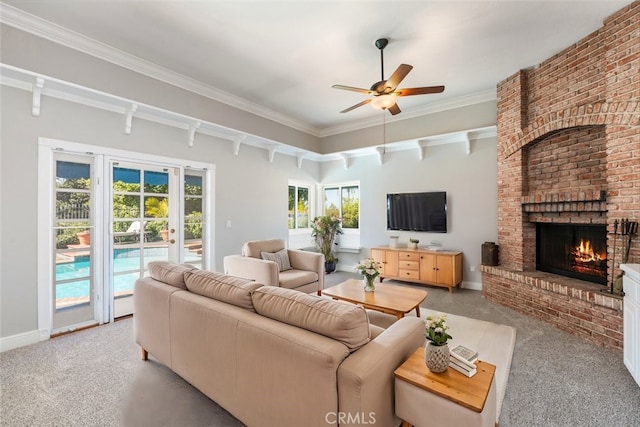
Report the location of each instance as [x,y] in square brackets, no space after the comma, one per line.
[436,350]
[324,230]
[158,208]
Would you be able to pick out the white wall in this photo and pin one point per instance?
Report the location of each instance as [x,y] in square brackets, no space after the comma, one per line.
[469,180]
[250,191]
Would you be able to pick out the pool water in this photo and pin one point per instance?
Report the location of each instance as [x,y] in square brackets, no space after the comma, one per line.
[124,260]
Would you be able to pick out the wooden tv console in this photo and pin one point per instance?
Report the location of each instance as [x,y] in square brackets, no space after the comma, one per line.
[421,266]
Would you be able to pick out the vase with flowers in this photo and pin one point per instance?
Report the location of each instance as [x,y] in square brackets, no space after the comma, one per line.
[436,350]
[324,230]
[370,269]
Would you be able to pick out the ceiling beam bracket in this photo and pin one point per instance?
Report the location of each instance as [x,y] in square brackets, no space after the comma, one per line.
[237,141]
[467,143]
[192,132]
[381,152]
[300,157]
[272,153]
[129,119]
[37,95]
[347,159]
[422,149]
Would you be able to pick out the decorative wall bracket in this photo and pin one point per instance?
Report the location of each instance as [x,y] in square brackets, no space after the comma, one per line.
[37,95]
[272,152]
[131,109]
[192,132]
[300,157]
[237,141]
[347,159]
[381,153]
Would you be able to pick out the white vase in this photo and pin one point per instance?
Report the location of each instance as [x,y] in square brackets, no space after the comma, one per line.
[436,357]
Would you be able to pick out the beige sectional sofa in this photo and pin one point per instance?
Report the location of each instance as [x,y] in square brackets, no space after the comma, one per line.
[272,356]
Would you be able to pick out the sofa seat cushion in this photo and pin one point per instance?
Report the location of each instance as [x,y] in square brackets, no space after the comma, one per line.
[221,287]
[169,273]
[346,323]
[292,279]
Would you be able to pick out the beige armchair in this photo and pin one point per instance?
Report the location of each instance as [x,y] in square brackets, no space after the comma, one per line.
[287,268]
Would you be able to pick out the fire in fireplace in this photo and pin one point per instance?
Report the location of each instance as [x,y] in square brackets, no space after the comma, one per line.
[578,251]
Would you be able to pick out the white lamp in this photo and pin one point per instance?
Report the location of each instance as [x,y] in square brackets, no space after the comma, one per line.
[382,102]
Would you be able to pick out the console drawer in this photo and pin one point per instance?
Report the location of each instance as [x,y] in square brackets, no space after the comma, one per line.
[409,274]
[409,265]
[409,256]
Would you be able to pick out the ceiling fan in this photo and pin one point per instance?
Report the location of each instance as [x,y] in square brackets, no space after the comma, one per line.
[385,92]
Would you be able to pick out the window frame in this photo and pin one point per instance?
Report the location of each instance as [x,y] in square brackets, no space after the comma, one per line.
[339,187]
[310,208]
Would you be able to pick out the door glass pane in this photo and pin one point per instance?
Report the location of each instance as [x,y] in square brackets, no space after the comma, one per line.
[140,206]
[193,218]
[73,230]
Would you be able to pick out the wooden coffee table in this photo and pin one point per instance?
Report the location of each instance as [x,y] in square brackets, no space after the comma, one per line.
[390,299]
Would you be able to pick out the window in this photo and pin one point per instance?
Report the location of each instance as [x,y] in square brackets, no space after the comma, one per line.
[344,202]
[298,207]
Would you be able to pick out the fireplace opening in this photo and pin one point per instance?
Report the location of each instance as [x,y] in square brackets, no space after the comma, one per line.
[577,251]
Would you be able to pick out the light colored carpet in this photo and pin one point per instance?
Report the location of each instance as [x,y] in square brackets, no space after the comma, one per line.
[96,378]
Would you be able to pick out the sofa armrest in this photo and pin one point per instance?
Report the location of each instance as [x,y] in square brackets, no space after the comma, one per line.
[260,270]
[308,261]
[366,380]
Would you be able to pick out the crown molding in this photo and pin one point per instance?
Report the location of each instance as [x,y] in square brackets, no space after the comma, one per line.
[39,27]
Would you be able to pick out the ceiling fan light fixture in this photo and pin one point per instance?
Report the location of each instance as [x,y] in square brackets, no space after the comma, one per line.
[382,102]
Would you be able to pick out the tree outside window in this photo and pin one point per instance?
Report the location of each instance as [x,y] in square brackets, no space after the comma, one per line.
[343,202]
[298,207]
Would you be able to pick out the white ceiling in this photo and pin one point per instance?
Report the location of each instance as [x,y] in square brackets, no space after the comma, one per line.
[281,57]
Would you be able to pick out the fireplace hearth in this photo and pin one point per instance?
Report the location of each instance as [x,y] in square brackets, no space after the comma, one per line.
[577,251]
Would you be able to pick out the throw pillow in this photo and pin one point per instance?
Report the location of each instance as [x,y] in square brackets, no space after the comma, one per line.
[280,257]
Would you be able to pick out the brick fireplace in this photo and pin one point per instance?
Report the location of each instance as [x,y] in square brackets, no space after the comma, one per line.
[569,154]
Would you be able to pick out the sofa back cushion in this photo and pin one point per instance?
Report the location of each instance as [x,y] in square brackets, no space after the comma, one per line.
[254,247]
[346,323]
[229,289]
[169,273]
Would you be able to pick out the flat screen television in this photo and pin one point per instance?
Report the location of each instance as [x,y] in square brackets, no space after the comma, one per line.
[417,212]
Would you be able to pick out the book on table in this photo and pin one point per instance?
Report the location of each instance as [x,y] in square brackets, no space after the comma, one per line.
[464,355]
[462,368]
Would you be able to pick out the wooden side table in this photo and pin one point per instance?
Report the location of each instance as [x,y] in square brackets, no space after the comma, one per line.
[447,399]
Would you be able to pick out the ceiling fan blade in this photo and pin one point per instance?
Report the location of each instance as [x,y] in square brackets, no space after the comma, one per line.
[419,90]
[394,109]
[353,89]
[353,107]
[398,75]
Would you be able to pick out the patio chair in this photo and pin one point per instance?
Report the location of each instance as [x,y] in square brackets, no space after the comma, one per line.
[134,230]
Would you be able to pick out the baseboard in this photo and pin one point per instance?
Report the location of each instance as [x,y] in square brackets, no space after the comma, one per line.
[19,340]
[475,286]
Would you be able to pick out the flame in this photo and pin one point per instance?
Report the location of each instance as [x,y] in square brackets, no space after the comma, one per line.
[584,252]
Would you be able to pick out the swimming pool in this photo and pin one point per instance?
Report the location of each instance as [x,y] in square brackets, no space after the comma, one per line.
[124,260]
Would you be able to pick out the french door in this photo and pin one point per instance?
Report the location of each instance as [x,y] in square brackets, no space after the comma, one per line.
[103,218]
[74,229]
[144,202]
